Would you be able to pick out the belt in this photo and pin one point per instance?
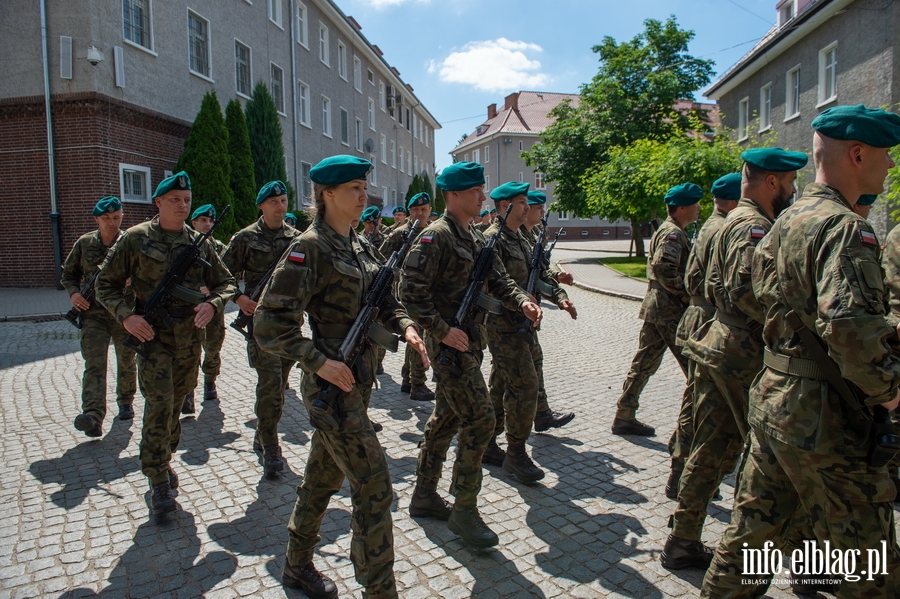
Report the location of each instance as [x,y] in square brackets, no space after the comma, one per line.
[700,301]
[802,367]
[731,320]
[376,333]
[173,311]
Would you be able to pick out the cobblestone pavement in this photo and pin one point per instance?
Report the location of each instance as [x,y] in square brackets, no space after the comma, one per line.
[74,516]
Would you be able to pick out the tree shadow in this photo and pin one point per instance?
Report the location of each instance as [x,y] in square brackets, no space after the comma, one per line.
[204,433]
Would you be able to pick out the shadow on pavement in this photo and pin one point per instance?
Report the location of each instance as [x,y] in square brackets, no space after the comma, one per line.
[205,432]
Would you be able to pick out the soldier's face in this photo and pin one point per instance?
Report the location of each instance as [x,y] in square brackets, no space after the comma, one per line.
[348,199]
[109,223]
[420,213]
[202,224]
[274,208]
[470,200]
[535,214]
[400,218]
[519,209]
[174,205]
[877,162]
[786,192]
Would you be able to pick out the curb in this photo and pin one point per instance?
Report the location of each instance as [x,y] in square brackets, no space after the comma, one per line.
[34,317]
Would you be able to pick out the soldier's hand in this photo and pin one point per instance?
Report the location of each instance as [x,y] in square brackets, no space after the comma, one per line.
[565,278]
[137,326]
[247,305]
[78,302]
[337,373]
[412,337]
[569,307]
[892,405]
[205,313]
[457,339]
[533,312]
[204,290]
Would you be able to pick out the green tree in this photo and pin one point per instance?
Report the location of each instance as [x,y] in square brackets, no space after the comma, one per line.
[438,204]
[243,178]
[266,145]
[204,148]
[415,187]
[427,187]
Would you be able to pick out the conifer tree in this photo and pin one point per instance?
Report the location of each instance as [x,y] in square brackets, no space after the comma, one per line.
[243,178]
[266,145]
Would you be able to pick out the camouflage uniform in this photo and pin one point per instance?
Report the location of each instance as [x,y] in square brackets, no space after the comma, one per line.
[661,310]
[326,275]
[214,336]
[145,253]
[808,446]
[891,263]
[98,329]
[248,256]
[435,277]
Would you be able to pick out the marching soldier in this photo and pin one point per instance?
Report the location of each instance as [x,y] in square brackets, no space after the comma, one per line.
[485,221]
[291,219]
[371,220]
[400,216]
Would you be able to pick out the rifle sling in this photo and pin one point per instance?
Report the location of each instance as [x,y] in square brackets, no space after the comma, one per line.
[489,304]
[377,334]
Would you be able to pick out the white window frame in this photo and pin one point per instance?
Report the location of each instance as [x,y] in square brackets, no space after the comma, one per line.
[765,107]
[382,96]
[383,149]
[402,160]
[357,74]
[359,134]
[345,126]
[138,45]
[370,113]
[823,73]
[792,94]
[342,60]
[373,174]
[562,216]
[275,10]
[302,25]
[409,162]
[326,117]
[791,11]
[744,119]
[393,154]
[520,145]
[199,17]
[324,49]
[476,156]
[539,181]
[521,176]
[370,76]
[427,135]
[306,185]
[272,67]
[487,153]
[134,168]
[304,98]
[237,89]
[487,182]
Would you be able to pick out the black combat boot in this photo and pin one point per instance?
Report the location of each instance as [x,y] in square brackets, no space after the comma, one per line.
[161,500]
[467,523]
[209,391]
[173,478]
[429,504]
[673,483]
[272,462]
[405,386]
[380,369]
[520,465]
[89,425]
[377,427]
[308,579]
[549,419]
[632,427]
[126,412]
[681,553]
[493,454]
[421,393]
[188,406]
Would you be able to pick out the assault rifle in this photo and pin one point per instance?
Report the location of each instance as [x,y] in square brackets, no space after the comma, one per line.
[535,287]
[156,305]
[325,411]
[242,323]
[552,245]
[76,316]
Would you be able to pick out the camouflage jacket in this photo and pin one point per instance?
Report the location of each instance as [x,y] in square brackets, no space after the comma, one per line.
[218,245]
[82,262]
[394,240]
[891,263]
[144,253]
[559,294]
[666,297]
[695,272]
[325,275]
[829,262]
[376,239]
[436,274]
[252,250]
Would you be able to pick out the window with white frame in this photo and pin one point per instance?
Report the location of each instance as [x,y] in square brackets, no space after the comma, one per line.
[786,12]
[382,98]
[827,73]
[384,193]
[342,61]
[466,157]
[306,189]
[416,165]
[373,174]
[487,183]
[402,160]
[743,119]
[520,146]
[792,97]
[359,135]
[487,153]
[324,54]
[384,149]
[562,216]
[393,154]
[539,181]
[427,135]
[394,197]
[357,74]
[370,114]
[371,76]
[326,117]
[242,75]
[409,162]
[302,26]
[275,11]
[476,156]
[765,107]
[276,86]
[304,108]
[136,19]
[198,44]
[345,127]
[521,177]
[134,183]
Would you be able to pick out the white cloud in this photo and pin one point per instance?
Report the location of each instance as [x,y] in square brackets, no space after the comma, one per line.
[493,66]
[386,3]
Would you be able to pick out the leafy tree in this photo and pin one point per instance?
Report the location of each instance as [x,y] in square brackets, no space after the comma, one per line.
[266,145]
[243,178]
[204,148]
[438,204]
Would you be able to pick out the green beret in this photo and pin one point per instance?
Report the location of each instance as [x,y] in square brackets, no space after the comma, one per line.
[775,160]
[269,190]
[340,169]
[686,194]
[492,211]
[398,209]
[370,213]
[871,126]
[483,213]
[420,199]
[867,199]
[290,219]
[180,181]
[727,187]
[460,176]
[435,214]
[508,191]
[536,197]
[107,204]
[204,210]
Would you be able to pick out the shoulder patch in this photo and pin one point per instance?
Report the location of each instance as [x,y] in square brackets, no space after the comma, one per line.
[868,238]
[298,257]
[757,233]
[673,236]
[427,238]
[232,238]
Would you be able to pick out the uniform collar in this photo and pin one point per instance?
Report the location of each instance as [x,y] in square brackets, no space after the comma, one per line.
[752,205]
[157,233]
[823,190]
[332,237]
[461,231]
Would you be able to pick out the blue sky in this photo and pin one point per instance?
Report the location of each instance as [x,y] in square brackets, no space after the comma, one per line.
[461,55]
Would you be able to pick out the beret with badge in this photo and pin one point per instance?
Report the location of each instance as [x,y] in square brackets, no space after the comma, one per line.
[420,199]
[536,197]
[270,190]
[460,176]
[204,210]
[508,191]
[398,209]
[774,160]
[727,187]
[291,219]
[872,126]
[686,194]
[336,170]
[107,204]
[177,182]
[370,213]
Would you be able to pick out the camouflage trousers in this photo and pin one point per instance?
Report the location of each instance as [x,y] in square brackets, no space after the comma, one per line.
[849,503]
[353,453]
[413,369]
[495,384]
[96,334]
[683,436]
[514,384]
[653,340]
[165,377]
[272,376]
[461,407]
[214,337]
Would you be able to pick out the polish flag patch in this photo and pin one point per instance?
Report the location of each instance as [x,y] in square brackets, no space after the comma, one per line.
[757,233]
[673,236]
[427,238]
[868,238]
[297,257]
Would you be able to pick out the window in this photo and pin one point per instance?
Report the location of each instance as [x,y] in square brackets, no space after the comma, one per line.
[303,94]
[765,107]
[198,44]
[342,61]
[383,149]
[786,12]
[476,156]
[242,76]
[427,135]
[394,197]
[792,99]
[466,157]
[275,11]
[521,177]
[371,76]
[373,175]
[520,146]
[276,86]
[359,135]
[393,154]
[407,119]
[416,163]
[136,17]
[302,29]
[562,216]
[408,162]
[743,118]
[326,117]
[487,182]
[371,114]
[324,54]
[357,74]
[345,127]
[384,193]
[402,160]
[305,183]
[539,181]
[134,182]
[382,99]
[827,73]
[487,153]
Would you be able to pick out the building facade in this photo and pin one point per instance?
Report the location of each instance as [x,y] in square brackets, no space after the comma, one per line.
[821,53]
[125,78]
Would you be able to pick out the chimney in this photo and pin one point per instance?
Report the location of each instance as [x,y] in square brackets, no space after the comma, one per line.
[511,101]
[492,110]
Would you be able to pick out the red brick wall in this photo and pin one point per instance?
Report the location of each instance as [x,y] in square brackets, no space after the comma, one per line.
[92,135]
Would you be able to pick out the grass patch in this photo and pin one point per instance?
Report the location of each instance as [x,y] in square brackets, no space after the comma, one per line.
[633,267]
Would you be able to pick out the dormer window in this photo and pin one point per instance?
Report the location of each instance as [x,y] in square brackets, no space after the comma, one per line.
[787,9]
[479,130]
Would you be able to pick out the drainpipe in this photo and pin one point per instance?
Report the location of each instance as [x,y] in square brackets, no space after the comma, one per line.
[54,207]
[298,186]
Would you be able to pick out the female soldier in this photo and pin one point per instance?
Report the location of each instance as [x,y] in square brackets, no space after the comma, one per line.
[325,273]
